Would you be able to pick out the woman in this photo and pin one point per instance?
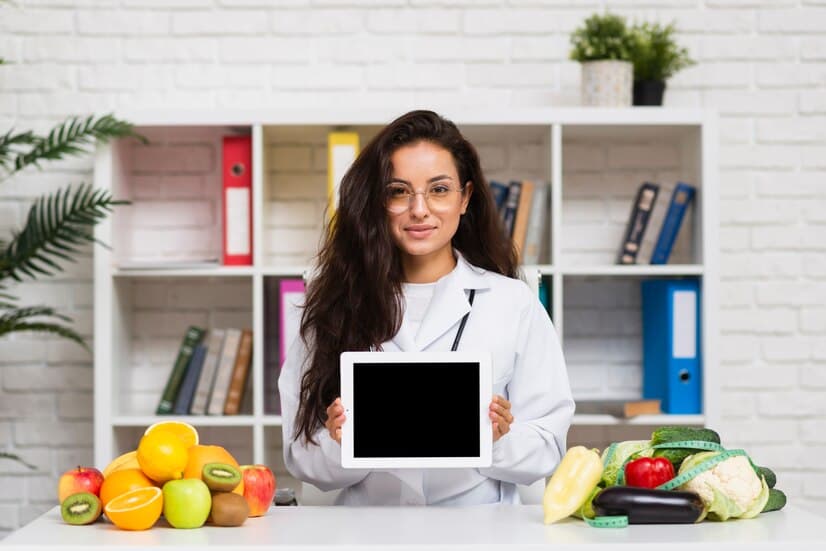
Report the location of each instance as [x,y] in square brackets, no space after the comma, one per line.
[415,232]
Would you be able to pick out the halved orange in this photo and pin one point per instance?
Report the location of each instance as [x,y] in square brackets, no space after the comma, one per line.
[184,431]
[122,481]
[137,509]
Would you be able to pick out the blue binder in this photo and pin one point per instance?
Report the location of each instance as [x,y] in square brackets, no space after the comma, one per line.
[678,205]
[672,368]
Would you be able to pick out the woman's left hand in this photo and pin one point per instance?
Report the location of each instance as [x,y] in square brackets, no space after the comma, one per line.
[500,415]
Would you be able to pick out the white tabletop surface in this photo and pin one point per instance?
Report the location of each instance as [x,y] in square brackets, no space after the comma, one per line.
[483,527]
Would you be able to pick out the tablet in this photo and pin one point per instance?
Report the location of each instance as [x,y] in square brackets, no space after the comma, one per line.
[416,409]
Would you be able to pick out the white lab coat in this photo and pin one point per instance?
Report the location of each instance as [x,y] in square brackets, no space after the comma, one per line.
[528,369]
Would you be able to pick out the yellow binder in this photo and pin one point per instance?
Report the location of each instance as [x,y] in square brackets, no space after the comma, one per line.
[342,149]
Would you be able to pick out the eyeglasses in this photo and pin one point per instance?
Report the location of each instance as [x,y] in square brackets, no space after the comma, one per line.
[438,197]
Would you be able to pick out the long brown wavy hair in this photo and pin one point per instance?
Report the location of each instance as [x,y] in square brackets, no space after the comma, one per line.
[355,299]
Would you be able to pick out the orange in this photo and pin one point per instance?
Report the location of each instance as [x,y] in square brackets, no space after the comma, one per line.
[162,456]
[137,509]
[200,455]
[184,431]
[120,482]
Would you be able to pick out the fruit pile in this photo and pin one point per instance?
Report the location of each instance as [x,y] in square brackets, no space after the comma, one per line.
[169,474]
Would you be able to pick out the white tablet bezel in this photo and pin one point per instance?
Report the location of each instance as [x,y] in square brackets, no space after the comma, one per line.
[348,461]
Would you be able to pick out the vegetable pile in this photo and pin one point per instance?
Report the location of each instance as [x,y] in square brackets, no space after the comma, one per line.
[680,475]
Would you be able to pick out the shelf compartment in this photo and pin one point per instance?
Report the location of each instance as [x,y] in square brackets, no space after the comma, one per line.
[603,341]
[174,184]
[151,315]
[602,168]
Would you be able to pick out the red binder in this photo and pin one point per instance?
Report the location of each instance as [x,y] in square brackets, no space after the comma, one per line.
[237,201]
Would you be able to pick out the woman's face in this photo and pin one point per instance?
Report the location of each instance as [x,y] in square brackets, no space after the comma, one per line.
[423,228]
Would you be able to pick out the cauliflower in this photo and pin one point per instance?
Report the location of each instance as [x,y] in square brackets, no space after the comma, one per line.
[730,489]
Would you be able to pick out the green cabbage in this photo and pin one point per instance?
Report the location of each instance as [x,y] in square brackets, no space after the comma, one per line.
[622,451]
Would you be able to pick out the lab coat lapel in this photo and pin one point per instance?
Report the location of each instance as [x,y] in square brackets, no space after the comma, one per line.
[403,339]
[449,303]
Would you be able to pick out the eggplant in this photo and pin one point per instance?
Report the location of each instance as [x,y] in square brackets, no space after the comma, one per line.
[648,505]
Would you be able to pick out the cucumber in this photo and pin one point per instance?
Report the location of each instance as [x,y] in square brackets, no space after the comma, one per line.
[771,478]
[777,500]
[666,435]
[649,506]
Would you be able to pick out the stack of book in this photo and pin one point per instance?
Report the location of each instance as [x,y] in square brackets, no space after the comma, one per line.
[210,373]
[656,218]
[524,208]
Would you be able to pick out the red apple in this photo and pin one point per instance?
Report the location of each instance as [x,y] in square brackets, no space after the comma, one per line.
[81,479]
[259,488]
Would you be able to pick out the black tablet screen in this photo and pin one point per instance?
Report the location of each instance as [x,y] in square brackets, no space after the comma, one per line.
[416,410]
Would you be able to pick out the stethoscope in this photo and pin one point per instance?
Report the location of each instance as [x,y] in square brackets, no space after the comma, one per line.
[463,322]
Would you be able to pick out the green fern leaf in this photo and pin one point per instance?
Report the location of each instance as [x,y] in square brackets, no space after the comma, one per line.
[72,137]
[57,225]
[20,319]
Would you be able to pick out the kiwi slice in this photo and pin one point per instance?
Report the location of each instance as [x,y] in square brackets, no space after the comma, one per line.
[221,477]
[229,509]
[81,508]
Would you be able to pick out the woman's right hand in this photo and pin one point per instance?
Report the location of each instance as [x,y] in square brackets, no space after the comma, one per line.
[335,418]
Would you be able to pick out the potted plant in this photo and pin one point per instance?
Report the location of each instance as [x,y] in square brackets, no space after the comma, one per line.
[656,57]
[602,46]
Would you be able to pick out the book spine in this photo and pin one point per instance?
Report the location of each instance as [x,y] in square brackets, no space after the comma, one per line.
[224,374]
[239,374]
[644,201]
[237,200]
[500,194]
[537,224]
[193,371]
[523,211]
[680,199]
[511,205]
[170,392]
[655,224]
[207,378]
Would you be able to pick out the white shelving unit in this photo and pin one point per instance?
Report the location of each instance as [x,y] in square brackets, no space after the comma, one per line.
[593,160]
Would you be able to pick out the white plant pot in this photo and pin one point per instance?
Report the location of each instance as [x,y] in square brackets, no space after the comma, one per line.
[607,83]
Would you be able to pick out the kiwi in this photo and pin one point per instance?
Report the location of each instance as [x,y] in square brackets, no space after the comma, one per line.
[229,509]
[81,508]
[221,477]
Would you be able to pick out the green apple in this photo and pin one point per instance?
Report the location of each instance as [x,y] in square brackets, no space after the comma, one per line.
[186,503]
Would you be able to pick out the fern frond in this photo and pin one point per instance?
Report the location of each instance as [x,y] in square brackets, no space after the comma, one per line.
[10,144]
[19,319]
[71,138]
[56,225]
[7,455]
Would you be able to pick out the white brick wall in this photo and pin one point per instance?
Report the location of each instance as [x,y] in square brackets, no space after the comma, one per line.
[762,65]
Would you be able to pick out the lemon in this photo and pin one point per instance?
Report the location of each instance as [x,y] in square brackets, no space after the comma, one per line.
[162,456]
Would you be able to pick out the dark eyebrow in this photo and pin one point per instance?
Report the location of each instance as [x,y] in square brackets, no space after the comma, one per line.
[430,181]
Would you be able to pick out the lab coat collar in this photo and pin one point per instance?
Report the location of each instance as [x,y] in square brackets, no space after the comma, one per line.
[448,305]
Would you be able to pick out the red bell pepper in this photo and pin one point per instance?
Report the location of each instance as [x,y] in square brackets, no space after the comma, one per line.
[648,472]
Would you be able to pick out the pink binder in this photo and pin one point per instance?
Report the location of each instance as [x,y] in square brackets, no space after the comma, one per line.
[291,301]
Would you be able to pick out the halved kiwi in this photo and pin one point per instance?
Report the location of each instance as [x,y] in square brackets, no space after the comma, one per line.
[221,477]
[81,508]
[229,509]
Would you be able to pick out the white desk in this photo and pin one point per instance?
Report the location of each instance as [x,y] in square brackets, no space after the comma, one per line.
[499,527]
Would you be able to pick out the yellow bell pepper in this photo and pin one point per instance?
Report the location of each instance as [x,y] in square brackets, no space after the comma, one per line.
[571,484]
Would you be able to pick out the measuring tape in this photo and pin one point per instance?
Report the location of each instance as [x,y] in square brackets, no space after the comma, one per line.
[689,444]
[621,521]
